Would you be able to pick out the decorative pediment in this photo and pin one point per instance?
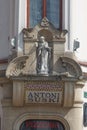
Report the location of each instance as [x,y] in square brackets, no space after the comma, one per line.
[46,29]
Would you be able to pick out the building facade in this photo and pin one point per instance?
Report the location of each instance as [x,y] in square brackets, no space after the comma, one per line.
[42,83]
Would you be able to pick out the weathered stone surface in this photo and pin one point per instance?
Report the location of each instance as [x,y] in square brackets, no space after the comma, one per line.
[25,95]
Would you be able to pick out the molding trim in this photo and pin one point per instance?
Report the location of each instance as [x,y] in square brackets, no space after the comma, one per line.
[46,116]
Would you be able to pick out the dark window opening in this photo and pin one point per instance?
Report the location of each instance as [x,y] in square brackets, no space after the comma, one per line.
[42,125]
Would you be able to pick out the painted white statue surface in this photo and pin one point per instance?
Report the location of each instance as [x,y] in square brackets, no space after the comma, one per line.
[43,54]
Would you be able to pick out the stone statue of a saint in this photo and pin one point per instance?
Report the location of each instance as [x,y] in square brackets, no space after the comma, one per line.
[43,56]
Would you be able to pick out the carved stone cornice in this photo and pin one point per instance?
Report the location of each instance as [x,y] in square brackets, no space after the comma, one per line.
[44,78]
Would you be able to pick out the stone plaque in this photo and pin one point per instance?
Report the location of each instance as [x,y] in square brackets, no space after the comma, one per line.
[41,92]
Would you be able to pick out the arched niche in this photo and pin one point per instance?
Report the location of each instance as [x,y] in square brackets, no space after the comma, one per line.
[47,34]
[32,116]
